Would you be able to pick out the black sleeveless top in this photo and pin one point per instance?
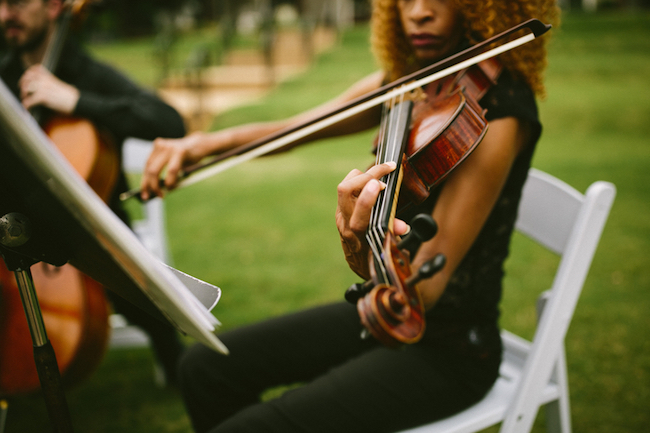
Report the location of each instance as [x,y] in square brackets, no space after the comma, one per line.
[471,299]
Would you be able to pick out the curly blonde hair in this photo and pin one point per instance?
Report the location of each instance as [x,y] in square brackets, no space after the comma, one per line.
[481,19]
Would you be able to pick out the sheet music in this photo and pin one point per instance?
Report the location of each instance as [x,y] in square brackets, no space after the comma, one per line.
[112,241]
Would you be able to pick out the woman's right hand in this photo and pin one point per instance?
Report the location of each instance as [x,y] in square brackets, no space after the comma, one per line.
[357,194]
[171,156]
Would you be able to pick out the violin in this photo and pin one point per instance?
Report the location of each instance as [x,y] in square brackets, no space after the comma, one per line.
[427,136]
[74,307]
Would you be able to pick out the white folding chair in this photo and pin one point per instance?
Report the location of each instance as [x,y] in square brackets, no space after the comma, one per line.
[151,231]
[534,373]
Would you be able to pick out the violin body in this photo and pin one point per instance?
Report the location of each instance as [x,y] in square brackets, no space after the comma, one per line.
[458,126]
[448,123]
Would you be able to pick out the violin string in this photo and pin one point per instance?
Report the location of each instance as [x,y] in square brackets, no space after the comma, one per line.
[375,230]
[372,236]
[393,154]
[391,150]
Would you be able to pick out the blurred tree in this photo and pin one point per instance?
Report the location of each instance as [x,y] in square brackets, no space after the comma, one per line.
[127,18]
[604,4]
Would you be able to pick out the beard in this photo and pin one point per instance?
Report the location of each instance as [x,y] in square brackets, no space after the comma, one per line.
[31,43]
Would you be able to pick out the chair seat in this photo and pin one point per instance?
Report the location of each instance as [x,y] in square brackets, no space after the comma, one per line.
[124,335]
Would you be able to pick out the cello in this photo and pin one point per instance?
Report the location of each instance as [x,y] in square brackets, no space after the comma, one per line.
[74,307]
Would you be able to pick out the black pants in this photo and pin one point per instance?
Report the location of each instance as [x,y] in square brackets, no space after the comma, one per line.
[348,384]
[164,339]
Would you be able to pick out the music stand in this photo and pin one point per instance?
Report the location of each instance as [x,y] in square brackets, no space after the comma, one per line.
[48,213]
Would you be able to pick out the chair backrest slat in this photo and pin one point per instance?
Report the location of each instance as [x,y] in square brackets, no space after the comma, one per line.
[570,224]
[548,210]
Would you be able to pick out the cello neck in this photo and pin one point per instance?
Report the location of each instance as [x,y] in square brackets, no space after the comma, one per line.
[72,10]
[55,45]
[53,53]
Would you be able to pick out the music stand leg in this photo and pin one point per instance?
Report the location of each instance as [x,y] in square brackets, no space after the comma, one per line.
[44,357]
[4,407]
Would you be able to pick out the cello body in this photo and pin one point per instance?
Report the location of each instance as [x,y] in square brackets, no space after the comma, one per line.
[75,313]
[92,154]
[74,307]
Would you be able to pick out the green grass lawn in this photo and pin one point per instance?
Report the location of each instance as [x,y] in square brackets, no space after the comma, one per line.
[265,231]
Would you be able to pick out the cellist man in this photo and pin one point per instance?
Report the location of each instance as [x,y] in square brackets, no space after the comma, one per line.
[85,88]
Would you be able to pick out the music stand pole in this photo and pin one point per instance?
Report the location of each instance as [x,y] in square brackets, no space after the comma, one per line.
[14,231]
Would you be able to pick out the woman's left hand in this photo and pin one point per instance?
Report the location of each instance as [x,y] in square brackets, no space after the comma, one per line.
[357,194]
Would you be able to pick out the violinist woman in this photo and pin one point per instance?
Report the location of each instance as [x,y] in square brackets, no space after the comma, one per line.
[354,385]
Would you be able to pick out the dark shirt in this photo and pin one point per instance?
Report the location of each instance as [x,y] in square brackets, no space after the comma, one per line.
[470,302]
[108,99]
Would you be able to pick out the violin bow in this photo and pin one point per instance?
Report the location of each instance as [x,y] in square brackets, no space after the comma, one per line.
[455,63]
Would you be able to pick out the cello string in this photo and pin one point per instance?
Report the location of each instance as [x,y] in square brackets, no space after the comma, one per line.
[53,50]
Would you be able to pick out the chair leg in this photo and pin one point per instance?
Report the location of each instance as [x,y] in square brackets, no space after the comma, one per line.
[558,412]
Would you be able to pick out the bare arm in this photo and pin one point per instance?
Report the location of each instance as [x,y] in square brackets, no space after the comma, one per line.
[467,199]
[176,154]
[463,206]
